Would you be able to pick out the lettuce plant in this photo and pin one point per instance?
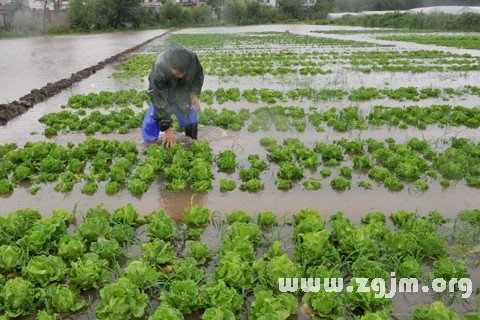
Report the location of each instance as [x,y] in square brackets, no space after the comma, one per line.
[44,270]
[127,215]
[238,216]
[266,219]
[89,272]
[216,313]
[141,274]
[121,300]
[197,216]
[158,252]
[165,312]
[436,310]
[183,295]
[218,294]
[19,297]
[227,185]
[160,226]
[269,305]
[12,257]
[61,299]
[197,250]
[71,247]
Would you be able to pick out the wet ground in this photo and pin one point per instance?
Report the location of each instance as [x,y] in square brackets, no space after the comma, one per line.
[354,203]
[29,63]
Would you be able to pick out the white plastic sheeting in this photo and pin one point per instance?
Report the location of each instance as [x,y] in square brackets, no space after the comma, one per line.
[439,9]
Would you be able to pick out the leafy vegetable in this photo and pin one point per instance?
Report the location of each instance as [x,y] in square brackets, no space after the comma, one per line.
[266,303]
[160,226]
[244,231]
[197,216]
[126,215]
[252,185]
[238,216]
[267,219]
[436,310]
[158,252]
[63,300]
[325,304]
[216,313]
[226,161]
[165,312]
[312,185]
[107,249]
[218,294]
[269,271]
[20,297]
[44,270]
[12,257]
[121,300]
[71,247]
[234,271]
[340,183]
[141,274]
[227,185]
[183,295]
[89,272]
[198,250]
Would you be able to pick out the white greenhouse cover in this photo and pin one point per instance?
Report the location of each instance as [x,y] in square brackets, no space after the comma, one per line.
[442,9]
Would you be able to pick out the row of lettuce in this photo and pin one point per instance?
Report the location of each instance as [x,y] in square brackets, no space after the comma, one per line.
[105,99]
[120,165]
[278,118]
[51,267]
[289,60]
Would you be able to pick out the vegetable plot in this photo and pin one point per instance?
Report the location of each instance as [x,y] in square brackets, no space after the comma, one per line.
[48,265]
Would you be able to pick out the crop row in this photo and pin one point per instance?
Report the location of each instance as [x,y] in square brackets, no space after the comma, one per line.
[49,265]
[106,99]
[279,118]
[309,63]
[283,62]
[459,41]
[202,41]
[116,163]
[387,163]
[119,165]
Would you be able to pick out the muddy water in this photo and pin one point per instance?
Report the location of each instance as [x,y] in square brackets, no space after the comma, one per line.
[307,30]
[28,63]
[354,202]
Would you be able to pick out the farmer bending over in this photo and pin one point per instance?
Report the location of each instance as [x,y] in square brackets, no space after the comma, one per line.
[175,83]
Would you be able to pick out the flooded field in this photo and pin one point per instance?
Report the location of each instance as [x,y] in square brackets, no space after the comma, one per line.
[30,63]
[429,157]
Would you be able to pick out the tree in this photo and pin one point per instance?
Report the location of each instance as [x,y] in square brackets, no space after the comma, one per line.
[118,12]
[174,14]
[10,10]
[202,13]
[45,4]
[216,6]
[291,8]
[83,15]
[235,11]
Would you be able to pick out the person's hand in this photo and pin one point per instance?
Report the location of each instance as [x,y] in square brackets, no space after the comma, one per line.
[169,139]
[196,103]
